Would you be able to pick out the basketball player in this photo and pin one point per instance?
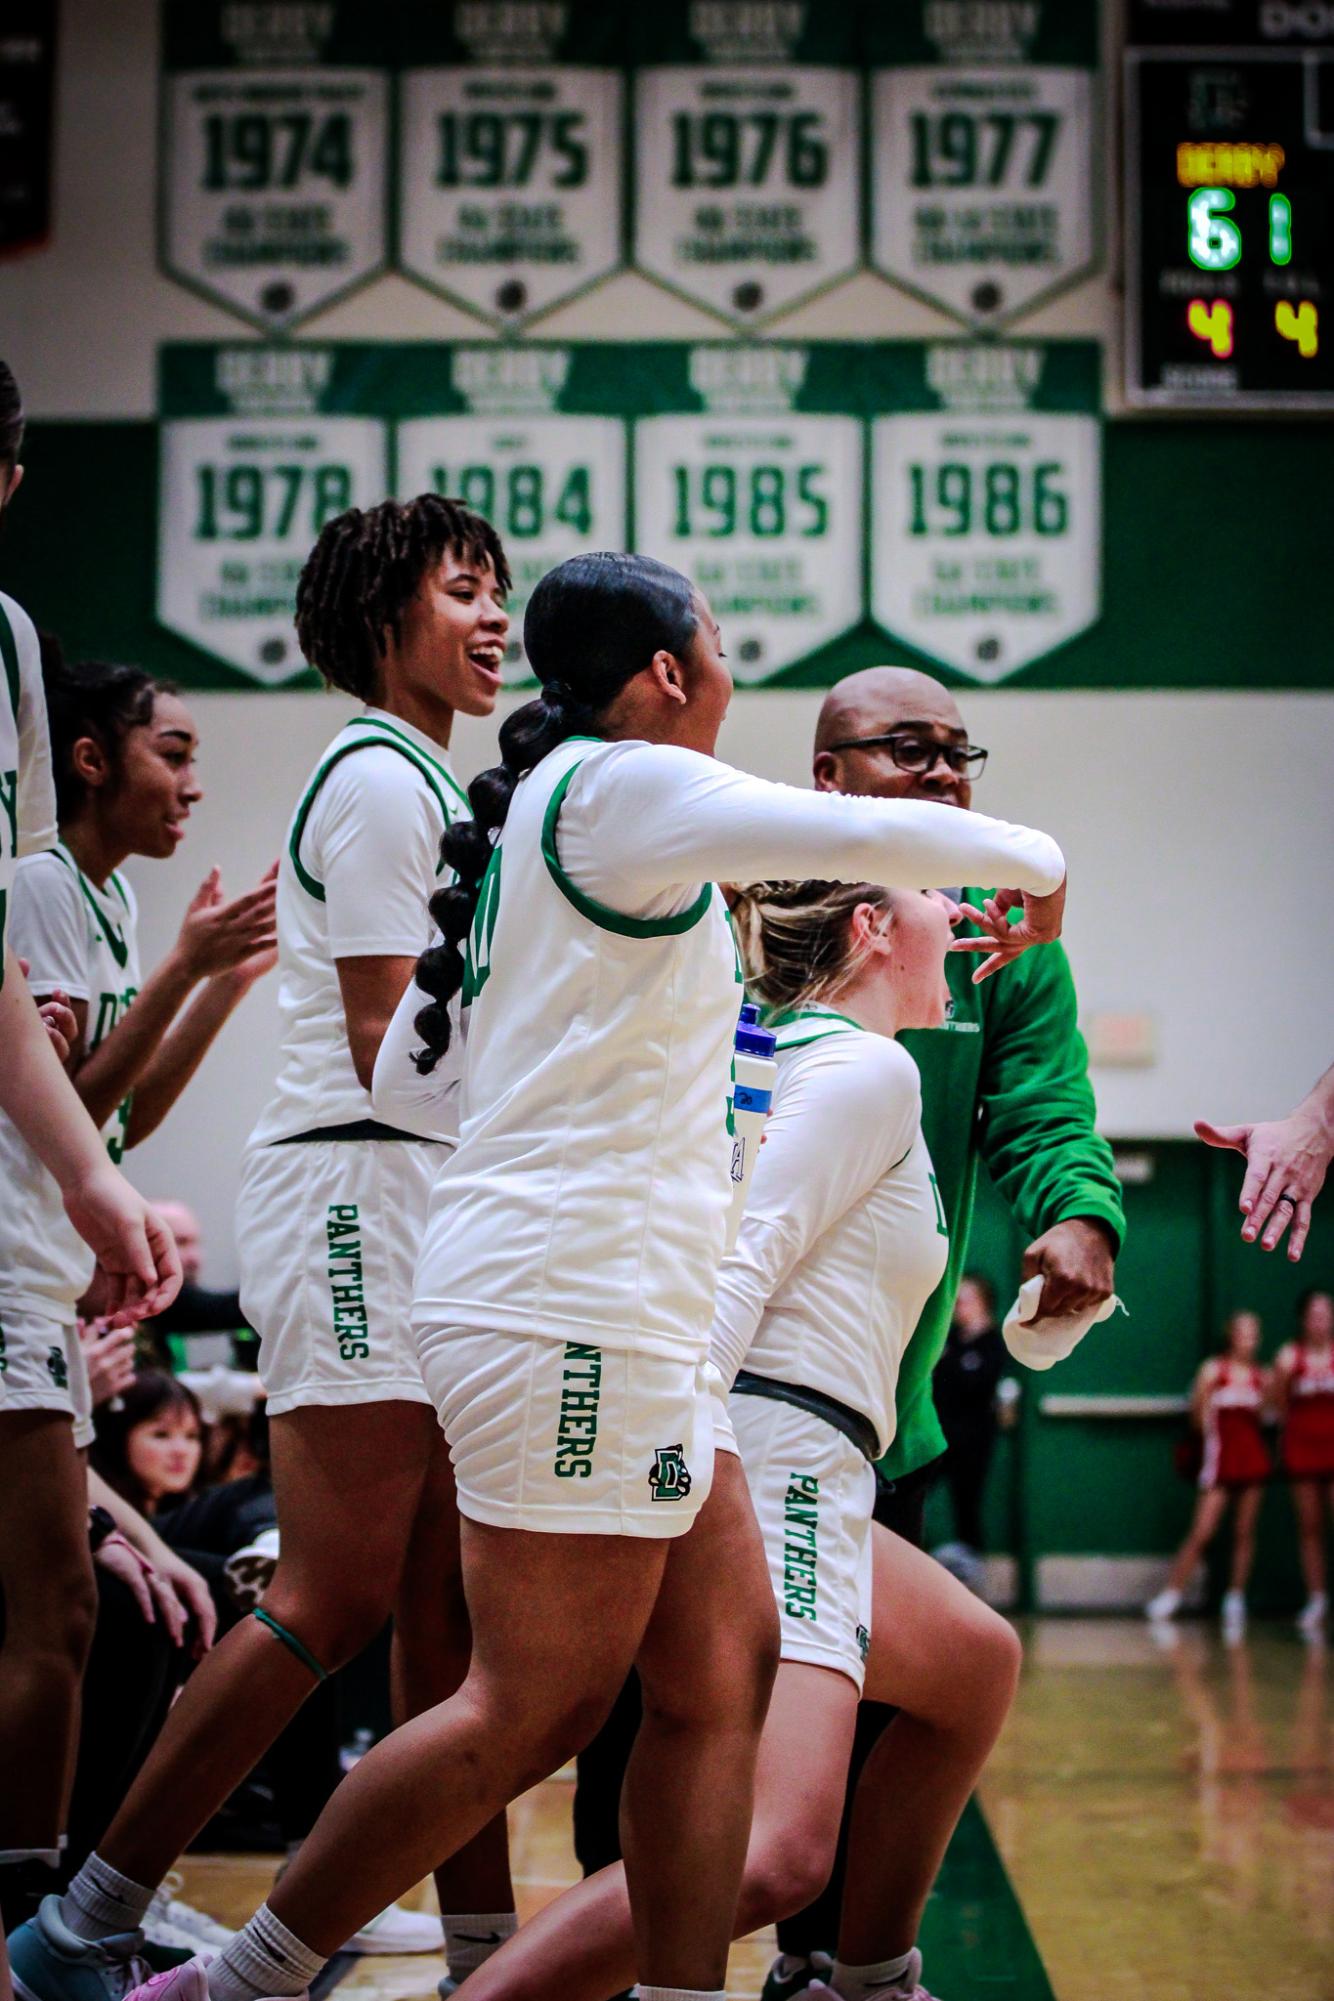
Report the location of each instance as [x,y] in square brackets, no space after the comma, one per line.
[403,607]
[565,1289]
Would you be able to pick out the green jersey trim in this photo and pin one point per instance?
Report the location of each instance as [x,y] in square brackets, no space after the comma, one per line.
[116,942]
[600,913]
[9,647]
[824,1022]
[387,738]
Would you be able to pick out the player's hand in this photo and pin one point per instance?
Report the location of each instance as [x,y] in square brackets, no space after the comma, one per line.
[1002,941]
[217,935]
[58,1017]
[109,1355]
[1077,1264]
[136,1252]
[1286,1163]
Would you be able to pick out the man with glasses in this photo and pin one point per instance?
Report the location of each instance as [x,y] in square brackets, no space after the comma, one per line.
[1005,1080]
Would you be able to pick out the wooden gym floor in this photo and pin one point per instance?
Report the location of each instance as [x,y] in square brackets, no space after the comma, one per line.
[1157,1824]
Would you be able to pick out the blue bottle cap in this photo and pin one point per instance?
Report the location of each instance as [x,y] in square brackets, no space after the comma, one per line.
[751,1038]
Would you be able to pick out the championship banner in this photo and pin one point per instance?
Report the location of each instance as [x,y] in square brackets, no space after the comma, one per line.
[259,447]
[758,497]
[982,152]
[836,501]
[747,152]
[510,431]
[274,153]
[986,475]
[511,154]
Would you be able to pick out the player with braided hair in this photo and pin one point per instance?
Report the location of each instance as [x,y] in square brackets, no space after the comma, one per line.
[402,605]
[565,1284]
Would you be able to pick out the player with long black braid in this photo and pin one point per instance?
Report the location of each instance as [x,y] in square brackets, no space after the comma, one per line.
[565,1284]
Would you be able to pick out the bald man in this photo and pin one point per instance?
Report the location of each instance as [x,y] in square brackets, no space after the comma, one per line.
[1005,1081]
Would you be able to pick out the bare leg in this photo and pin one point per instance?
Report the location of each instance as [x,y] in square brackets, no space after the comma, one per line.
[582,1946]
[348,1484]
[707,1666]
[1209,1511]
[1308,1500]
[952,1665]
[1243,1536]
[431,1649]
[556,1623]
[50,1605]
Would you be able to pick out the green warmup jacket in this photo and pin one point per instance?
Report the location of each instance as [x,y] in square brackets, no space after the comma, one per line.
[1006,1078]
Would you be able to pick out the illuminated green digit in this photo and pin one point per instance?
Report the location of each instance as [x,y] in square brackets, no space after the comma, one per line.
[1214,243]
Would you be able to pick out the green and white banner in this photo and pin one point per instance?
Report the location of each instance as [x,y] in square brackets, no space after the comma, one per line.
[260,446]
[511,155]
[747,153]
[943,497]
[986,481]
[982,151]
[274,166]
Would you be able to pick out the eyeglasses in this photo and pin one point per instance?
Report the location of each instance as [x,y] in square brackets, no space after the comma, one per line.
[918,754]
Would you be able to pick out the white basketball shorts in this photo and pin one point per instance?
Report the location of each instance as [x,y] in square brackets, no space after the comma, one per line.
[42,1368]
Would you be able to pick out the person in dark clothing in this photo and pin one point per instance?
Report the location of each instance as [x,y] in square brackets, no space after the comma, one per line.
[963,1389]
[197,1309]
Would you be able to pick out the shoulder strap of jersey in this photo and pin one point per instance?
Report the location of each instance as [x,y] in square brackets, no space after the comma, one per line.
[9,648]
[588,906]
[385,737]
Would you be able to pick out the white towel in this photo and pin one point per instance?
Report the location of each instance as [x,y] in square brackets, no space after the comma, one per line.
[1039,1344]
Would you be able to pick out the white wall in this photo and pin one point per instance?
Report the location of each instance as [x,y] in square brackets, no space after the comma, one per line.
[1199,827]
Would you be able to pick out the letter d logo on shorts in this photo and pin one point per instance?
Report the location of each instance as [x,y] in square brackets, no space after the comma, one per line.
[669,1479]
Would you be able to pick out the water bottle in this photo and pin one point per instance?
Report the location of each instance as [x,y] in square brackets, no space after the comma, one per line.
[755,1072]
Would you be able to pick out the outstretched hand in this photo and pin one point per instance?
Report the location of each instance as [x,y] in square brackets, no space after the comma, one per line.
[1286,1163]
[219,936]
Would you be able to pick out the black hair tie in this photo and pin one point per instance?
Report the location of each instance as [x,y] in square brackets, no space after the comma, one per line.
[557,695]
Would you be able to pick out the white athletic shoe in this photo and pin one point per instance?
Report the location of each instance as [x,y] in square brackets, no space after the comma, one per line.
[169,1920]
[1234,1615]
[792,1974]
[1311,1618]
[399,1931]
[908,1988]
[248,1571]
[1165,1605]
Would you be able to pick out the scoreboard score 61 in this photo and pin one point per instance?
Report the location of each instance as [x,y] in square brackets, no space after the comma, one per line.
[1230,227]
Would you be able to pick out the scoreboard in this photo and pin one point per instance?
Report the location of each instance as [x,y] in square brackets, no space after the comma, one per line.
[1229,161]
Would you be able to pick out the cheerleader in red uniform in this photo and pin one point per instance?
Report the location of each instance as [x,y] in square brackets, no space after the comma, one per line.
[1304,1383]
[1228,1405]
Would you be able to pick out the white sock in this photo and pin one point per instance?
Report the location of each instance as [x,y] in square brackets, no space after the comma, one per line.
[859,1983]
[264,1959]
[680,1993]
[471,1938]
[100,1901]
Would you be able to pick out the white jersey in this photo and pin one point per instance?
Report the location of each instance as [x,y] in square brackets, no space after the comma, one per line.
[844,1238]
[27,795]
[80,938]
[362,859]
[588,1195]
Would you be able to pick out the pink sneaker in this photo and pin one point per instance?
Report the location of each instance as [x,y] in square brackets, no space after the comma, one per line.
[188,1982]
[182,1983]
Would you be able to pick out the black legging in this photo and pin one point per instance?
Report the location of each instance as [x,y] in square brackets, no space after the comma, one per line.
[597,1795]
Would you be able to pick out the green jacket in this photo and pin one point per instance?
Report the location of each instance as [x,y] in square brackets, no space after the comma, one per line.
[1007,1078]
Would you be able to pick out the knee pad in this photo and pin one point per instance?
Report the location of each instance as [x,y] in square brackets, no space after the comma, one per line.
[292,1643]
